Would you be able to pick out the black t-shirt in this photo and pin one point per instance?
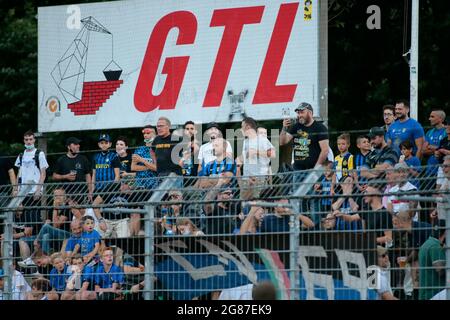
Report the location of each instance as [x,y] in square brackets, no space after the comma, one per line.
[5,165]
[306,146]
[221,220]
[125,163]
[163,151]
[379,220]
[28,219]
[445,144]
[80,163]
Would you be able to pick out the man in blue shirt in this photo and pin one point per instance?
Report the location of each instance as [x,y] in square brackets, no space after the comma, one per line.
[433,139]
[405,128]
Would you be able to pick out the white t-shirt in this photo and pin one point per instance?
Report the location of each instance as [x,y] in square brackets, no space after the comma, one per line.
[237,293]
[20,287]
[29,171]
[440,176]
[385,283]
[401,205]
[440,206]
[256,165]
[205,152]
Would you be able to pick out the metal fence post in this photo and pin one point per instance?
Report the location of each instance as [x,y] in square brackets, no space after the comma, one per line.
[298,196]
[8,239]
[149,252]
[447,247]
[294,231]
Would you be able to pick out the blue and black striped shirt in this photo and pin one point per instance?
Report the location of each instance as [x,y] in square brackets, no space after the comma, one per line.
[104,163]
[214,168]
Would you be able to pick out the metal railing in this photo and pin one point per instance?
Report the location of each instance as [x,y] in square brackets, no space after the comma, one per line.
[311,243]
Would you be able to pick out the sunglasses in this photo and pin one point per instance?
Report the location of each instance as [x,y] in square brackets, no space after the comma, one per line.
[382,255]
[147,131]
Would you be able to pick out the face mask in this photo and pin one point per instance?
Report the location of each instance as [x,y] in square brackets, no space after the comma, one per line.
[186,232]
[29,147]
[148,140]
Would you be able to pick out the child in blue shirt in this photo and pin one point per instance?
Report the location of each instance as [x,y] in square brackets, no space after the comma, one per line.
[411,160]
[58,275]
[108,277]
[90,240]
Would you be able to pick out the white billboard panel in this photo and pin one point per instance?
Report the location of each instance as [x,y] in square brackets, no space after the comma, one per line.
[125,63]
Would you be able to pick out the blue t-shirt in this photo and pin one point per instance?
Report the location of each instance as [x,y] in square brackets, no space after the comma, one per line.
[88,241]
[414,163]
[106,279]
[88,275]
[272,223]
[147,178]
[402,131]
[104,163]
[434,138]
[72,242]
[58,280]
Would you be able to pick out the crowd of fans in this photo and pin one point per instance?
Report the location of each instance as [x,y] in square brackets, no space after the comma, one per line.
[356,193]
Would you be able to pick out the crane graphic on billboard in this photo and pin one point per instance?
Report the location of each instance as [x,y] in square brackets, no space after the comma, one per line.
[85,97]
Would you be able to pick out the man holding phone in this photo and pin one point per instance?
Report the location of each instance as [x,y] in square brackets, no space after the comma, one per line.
[310,138]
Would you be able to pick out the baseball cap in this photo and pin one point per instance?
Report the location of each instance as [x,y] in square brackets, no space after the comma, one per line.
[304,105]
[381,250]
[376,131]
[212,125]
[104,137]
[73,140]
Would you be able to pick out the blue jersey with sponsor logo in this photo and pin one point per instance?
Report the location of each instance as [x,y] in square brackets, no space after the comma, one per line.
[402,131]
[104,163]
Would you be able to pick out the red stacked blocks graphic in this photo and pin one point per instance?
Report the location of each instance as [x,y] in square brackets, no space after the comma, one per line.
[95,94]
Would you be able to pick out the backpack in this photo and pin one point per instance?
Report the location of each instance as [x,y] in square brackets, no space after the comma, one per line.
[36,162]
[36,158]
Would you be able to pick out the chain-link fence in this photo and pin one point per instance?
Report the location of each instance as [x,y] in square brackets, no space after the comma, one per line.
[306,233]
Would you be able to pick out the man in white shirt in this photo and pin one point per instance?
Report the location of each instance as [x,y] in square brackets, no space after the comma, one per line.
[395,204]
[384,291]
[257,151]
[32,166]
[206,153]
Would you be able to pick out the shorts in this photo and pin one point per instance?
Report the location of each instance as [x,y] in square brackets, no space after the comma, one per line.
[116,229]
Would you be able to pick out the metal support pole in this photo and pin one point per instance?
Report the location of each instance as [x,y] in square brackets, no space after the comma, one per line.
[8,240]
[447,247]
[149,287]
[149,226]
[294,230]
[414,62]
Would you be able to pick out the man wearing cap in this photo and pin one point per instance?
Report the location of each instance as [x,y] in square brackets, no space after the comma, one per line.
[405,128]
[206,152]
[310,138]
[72,169]
[105,172]
[380,158]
